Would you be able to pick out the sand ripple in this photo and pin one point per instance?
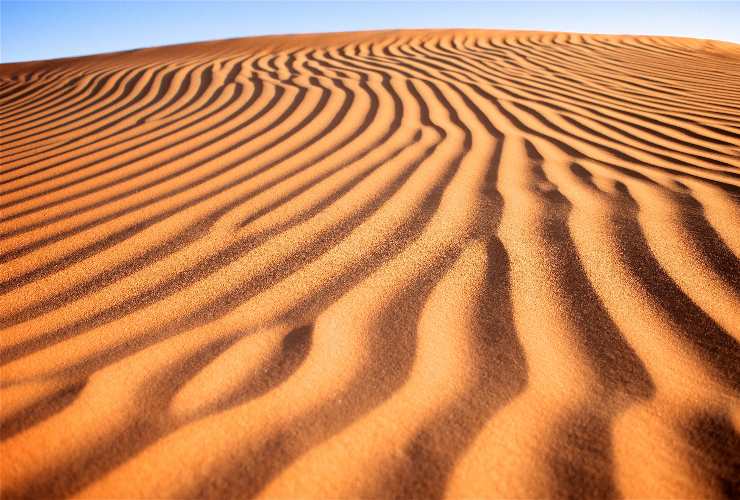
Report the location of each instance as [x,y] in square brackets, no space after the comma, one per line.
[384,264]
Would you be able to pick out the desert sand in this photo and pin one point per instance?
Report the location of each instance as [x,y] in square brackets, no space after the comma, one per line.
[380,264]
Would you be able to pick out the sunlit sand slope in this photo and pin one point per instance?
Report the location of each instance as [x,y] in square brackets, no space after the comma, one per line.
[391,264]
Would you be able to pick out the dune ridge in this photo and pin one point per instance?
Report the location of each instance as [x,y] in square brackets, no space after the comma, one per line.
[382,264]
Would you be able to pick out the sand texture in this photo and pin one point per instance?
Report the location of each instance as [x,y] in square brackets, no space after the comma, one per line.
[380,265]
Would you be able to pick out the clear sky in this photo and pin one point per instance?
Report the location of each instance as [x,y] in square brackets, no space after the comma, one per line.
[33,30]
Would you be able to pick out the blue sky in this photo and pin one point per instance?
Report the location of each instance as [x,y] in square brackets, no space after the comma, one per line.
[33,30]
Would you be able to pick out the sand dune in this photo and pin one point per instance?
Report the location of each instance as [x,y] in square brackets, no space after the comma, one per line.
[382,264]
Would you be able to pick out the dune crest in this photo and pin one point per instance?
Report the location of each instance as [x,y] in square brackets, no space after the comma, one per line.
[378,264]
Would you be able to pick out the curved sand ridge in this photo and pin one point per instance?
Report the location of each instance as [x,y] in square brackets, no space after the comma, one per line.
[384,264]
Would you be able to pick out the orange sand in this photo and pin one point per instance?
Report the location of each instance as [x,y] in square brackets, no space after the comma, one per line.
[383,264]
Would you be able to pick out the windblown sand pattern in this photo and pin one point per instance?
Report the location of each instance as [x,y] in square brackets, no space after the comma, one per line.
[390,264]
